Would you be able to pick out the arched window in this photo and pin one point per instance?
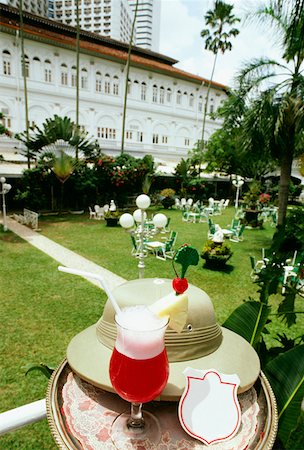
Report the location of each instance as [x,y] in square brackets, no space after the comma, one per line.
[178,97]
[200,103]
[115,85]
[6,62]
[154,93]
[169,95]
[161,95]
[143,91]
[185,101]
[26,66]
[84,78]
[73,76]
[211,107]
[98,82]
[129,86]
[36,59]
[107,84]
[47,71]
[6,120]
[191,100]
[64,74]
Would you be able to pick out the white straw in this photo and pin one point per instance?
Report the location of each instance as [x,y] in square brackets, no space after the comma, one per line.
[82,273]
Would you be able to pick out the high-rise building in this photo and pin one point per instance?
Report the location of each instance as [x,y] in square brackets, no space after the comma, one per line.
[110,18]
[34,7]
[147,23]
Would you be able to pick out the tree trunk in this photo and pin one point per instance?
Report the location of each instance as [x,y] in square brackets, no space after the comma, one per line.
[24,81]
[202,146]
[127,81]
[286,165]
[77,73]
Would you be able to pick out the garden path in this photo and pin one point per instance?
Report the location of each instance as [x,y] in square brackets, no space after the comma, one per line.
[64,256]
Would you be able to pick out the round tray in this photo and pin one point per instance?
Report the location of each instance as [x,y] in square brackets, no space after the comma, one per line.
[71,400]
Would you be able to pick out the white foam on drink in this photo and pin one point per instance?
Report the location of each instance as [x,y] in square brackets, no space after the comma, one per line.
[140,335]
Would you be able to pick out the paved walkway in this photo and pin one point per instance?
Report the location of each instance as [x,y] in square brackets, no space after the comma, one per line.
[64,256]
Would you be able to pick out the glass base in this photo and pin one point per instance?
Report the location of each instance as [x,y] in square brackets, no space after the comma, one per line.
[147,435]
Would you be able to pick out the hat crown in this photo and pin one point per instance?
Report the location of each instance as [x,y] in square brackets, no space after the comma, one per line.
[201,335]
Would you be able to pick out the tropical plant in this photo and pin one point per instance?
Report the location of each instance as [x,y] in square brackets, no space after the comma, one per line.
[216,254]
[282,364]
[58,129]
[251,198]
[167,197]
[279,108]
[229,150]
[217,38]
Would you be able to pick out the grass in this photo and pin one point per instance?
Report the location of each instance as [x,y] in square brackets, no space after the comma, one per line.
[42,309]
[111,248]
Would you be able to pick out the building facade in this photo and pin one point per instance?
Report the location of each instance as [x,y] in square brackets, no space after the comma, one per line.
[110,18]
[40,7]
[147,23]
[165,105]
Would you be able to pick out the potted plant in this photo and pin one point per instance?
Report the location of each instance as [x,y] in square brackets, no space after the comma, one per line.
[112,218]
[252,212]
[216,254]
[167,196]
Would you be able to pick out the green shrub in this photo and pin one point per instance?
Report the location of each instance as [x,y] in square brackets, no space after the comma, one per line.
[216,253]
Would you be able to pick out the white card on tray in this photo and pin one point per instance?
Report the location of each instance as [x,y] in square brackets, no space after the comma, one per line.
[209,409]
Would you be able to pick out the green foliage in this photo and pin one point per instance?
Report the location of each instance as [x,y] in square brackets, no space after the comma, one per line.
[218,20]
[251,198]
[56,129]
[168,192]
[112,214]
[43,368]
[216,254]
[294,229]
[284,365]
[186,256]
[249,320]
[286,375]
[239,147]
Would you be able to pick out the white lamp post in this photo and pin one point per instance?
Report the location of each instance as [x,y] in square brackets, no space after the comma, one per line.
[238,183]
[5,189]
[127,221]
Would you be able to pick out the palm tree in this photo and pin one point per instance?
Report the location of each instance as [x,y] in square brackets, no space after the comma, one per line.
[217,38]
[59,129]
[127,69]
[281,104]
[77,70]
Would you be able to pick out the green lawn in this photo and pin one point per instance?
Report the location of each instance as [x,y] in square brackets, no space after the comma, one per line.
[41,309]
[111,248]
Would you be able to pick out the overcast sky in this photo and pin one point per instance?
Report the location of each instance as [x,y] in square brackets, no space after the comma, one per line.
[181,24]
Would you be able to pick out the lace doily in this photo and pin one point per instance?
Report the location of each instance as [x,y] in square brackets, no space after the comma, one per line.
[89,413]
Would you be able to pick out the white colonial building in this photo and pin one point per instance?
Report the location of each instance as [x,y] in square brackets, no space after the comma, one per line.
[165,104]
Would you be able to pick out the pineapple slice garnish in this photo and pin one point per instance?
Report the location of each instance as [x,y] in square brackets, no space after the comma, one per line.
[174,306]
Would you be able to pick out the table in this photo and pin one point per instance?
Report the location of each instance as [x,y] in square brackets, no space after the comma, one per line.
[80,416]
[154,246]
[226,232]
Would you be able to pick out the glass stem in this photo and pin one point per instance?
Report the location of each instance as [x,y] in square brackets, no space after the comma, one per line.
[136,419]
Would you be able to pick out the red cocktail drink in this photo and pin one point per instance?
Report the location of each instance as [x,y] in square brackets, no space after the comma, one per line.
[139,371]
[139,380]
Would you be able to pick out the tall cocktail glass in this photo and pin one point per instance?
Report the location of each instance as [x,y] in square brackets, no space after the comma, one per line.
[139,372]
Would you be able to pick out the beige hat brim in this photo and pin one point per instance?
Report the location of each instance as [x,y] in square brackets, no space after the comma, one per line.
[89,358]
